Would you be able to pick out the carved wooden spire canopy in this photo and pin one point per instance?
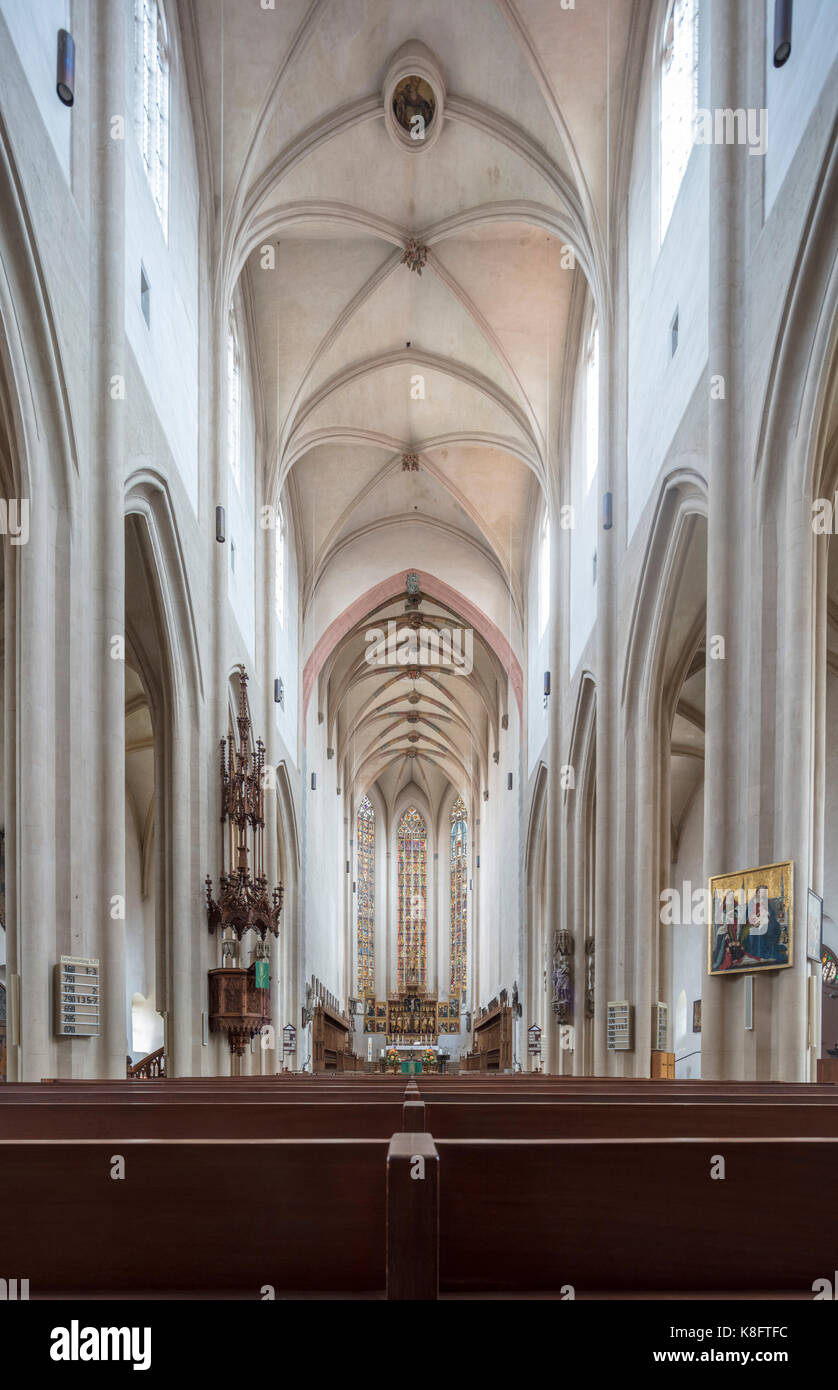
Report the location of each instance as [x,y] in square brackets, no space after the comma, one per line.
[243,902]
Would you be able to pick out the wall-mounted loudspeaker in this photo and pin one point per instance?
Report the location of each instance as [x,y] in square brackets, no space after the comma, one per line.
[65,80]
[782,32]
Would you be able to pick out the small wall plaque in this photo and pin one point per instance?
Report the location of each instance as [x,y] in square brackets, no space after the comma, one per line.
[77,997]
[619,1026]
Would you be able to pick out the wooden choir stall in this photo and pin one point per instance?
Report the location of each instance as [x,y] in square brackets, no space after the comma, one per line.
[331,1041]
[492,1041]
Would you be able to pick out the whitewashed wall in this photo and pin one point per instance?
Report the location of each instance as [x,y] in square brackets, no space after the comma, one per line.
[166,349]
[34,31]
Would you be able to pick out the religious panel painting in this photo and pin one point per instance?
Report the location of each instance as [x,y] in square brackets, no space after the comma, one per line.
[751,918]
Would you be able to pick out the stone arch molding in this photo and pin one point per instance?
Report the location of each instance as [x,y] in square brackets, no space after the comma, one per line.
[35,400]
[147,495]
[682,496]
[799,391]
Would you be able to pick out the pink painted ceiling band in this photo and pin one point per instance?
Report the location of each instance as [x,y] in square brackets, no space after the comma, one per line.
[434,588]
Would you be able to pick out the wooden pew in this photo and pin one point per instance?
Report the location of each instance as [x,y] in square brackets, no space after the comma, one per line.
[630,1215]
[195,1216]
[630,1120]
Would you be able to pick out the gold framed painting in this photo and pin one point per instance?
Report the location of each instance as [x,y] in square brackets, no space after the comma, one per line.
[751,920]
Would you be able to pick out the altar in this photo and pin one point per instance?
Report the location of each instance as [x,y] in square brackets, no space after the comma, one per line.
[414,1058]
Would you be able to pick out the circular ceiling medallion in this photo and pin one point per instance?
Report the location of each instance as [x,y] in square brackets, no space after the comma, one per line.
[414,98]
[414,105]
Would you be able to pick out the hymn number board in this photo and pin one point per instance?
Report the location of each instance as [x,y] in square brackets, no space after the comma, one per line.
[77,997]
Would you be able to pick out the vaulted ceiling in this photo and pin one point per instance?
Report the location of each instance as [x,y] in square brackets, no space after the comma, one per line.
[305,164]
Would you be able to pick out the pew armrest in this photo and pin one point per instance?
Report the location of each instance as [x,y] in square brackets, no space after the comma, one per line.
[412,1218]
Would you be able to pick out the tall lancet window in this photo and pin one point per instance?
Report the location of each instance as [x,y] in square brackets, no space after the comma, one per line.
[152,65]
[678,100]
[592,406]
[234,400]
[279,576]
[365,886]
[459,888]
[413,856]
[544,575]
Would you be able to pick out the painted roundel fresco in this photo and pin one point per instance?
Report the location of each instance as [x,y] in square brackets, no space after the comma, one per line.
[414,105]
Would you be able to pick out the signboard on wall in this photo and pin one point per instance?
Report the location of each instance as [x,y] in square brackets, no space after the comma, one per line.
[77,997]
[534,1038]
[619,1026]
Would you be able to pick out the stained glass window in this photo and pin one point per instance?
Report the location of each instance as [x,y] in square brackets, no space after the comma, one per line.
[829,961]
[459,888]
[413,854]
[365,892]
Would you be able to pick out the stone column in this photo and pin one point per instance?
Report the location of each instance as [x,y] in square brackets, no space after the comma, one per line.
[107,674]
[187,916]
[612,946]
[31,842]
[554,907]
[793,829]
[728,686]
